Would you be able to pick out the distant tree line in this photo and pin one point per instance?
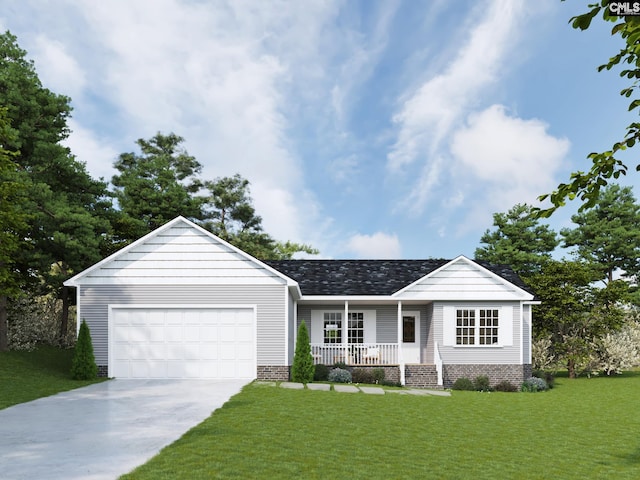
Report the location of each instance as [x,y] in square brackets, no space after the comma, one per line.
[588,318]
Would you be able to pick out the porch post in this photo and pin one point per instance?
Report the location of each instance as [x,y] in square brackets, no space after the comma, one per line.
[400,355]
[345,331]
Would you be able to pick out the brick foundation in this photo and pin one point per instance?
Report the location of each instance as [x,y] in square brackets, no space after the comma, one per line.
[103,371]
[421,376]
[273,372]
[515,374]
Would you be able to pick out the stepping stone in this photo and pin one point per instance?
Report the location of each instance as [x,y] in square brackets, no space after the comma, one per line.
[292,385]
[373,390]
[399,392]
[346,388]
[414,391]
[319,386]
[265,384]
[439,393]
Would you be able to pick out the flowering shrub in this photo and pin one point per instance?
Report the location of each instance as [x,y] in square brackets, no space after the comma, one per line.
[534,384]
[36,320]
[541,355]
[338,375]
[621,350]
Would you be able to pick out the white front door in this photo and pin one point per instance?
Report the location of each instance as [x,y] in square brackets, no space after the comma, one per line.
[411,337]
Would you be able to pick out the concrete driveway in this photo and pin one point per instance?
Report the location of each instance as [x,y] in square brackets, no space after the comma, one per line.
[104,430]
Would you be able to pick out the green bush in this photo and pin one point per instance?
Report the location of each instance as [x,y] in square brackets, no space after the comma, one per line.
[362,375]
[505,386]
[463,383]
[302,369]
[341,365]
[339,375]
[534,384]
[481,383]
[378,375]
[546,376]
[83,366]
[321,374]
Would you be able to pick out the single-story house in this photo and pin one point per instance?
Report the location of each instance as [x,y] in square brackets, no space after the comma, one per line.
[183,303]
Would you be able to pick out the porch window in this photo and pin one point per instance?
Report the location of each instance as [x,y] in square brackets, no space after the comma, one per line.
[332,328]
[356,327]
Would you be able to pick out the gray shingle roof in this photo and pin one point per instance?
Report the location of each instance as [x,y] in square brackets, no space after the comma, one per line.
[368,277]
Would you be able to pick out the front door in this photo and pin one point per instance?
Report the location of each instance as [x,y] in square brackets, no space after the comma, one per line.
[411,337]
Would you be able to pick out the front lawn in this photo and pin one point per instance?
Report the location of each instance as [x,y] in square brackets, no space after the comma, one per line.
[585,428]
[25,376]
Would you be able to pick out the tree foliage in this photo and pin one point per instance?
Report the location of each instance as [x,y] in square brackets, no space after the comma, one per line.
[156,185]
[302,369]
[574,313]
[607,235]
[519,240]
[607,164]
[65,225]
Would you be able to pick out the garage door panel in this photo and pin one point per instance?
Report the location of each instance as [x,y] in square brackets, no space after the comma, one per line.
[183,343]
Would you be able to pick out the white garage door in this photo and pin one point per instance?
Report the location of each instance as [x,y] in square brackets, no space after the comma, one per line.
[170,342]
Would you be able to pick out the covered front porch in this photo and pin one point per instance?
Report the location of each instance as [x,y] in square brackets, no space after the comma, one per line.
[370,333]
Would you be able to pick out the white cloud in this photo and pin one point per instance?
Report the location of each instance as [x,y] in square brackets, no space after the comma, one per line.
[513,159]
[509,151]
[430,113]
[97,153]
[377,246]
[57,68]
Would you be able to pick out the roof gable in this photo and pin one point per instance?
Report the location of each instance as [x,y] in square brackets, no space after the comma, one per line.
[465,279]
[179,252]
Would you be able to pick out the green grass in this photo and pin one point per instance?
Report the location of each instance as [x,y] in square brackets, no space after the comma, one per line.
[25,376]
[583,429]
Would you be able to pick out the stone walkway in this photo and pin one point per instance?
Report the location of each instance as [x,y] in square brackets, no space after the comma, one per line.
[350,388]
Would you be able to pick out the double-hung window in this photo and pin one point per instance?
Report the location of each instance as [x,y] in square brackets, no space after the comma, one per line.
[477,326]
[356,327]
[332,328]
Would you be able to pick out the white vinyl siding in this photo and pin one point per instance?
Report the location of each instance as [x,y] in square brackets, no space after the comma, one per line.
[268,299]
[506,351]
[462,280]
[181,254]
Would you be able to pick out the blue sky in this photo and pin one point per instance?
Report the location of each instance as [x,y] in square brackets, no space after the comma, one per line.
[370,129]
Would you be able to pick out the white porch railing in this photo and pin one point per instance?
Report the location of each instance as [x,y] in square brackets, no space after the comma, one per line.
[355,353]
[437,359]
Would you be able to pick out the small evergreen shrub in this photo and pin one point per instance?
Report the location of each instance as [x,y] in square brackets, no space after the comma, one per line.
[362,375]
[378,375]
[481,383]
[83,366]
[303,368]
[534,384]
[341,365]
[321,374]
[463,383]
[505,386]
[339,375]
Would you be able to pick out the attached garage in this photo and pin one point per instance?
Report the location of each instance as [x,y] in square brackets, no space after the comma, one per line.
[182,342]
[182,303]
